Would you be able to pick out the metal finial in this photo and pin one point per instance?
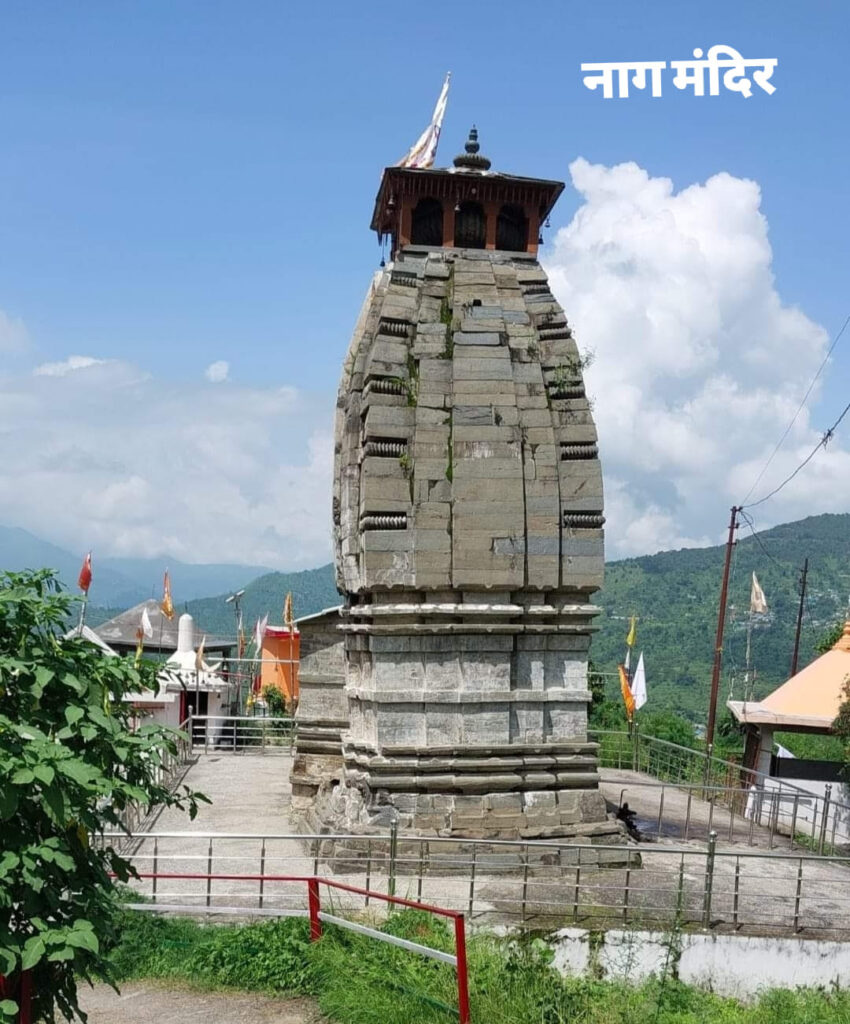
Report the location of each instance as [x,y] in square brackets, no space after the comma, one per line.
[471,159]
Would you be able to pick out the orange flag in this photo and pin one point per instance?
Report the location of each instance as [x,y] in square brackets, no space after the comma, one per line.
[166,604]
[626,690]
[84,579]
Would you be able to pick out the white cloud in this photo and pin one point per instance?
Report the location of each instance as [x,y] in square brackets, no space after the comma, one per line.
[69,365]
[113,458]
[699,366]
[218,371]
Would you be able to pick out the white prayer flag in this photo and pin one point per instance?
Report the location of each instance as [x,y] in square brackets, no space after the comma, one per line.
[424,150]
[199,656]
[639,684]
[260,632]
[758,602]
[146,627]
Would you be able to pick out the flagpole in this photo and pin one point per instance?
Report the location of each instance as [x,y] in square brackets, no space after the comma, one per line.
[718,640]
[748,671]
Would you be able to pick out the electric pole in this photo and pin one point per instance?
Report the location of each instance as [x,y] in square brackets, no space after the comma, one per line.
[718,641]
[795,655]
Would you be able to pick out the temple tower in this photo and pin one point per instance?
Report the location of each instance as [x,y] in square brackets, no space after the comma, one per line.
[467,523]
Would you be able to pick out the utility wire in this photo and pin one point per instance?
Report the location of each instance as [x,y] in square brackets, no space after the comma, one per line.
[757,538]
[827,437]
[800,407]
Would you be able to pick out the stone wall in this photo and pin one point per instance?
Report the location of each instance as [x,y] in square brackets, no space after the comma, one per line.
[322,710]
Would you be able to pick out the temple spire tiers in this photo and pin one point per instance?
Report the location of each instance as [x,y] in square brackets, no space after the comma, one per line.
[468,515]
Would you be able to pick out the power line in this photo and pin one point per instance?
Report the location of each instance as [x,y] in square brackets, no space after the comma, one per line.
[757,538]
[827,437]
[800,407]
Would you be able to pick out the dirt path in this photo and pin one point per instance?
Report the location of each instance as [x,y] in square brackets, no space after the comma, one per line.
[148,1003]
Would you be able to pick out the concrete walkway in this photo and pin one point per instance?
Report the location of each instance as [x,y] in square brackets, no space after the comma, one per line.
[675,812]
[149,1003]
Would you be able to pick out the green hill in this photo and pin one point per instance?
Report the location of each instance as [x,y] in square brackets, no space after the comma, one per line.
[675,595]
[312,590]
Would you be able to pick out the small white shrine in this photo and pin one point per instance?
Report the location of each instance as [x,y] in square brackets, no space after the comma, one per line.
[187,685]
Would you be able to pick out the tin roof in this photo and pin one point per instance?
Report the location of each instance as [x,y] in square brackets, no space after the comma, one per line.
[810,699]
[121,630]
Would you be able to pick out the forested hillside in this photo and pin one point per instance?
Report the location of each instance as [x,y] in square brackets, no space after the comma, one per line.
[312,590]
[675,595]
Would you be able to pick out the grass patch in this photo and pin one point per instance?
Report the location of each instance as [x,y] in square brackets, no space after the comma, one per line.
[357,981]
[271,957]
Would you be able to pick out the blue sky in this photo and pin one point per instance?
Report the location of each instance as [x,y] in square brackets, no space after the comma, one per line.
[182,182]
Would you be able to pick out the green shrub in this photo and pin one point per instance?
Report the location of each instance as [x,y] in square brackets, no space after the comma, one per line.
[272,956]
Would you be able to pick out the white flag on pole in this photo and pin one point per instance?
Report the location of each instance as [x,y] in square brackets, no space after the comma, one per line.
[639,684]
[260,632]
[758,602]
[424,150]
[145,624]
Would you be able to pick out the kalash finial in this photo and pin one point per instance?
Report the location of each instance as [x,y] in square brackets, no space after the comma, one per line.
[472,160]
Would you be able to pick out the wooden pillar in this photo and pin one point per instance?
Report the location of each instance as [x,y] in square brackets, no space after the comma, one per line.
[406,223]
[533,230]
[491,213]
[449,223]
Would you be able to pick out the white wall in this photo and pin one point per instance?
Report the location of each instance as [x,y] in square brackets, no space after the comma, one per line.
[731,965]
[809,812]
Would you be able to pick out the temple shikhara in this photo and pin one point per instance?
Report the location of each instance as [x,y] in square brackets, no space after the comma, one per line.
[449,693]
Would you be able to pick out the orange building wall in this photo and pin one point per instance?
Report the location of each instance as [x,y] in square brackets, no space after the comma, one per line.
[280,661]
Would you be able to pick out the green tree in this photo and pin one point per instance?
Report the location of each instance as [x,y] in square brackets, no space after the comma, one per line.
[830,638]
[69,765]
[841,725]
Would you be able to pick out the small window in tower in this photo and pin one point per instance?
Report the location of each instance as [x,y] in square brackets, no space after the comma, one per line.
[470,226]
[427,226]
[512,229]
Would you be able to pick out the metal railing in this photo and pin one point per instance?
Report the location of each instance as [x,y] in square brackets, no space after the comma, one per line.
[167,773]
[241,733]
[321,912]
[808,819]
[532,884]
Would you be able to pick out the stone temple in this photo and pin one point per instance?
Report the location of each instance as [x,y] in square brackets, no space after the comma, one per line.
[449,693]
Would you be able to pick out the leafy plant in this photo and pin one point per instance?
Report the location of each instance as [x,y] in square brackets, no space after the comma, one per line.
[275,700]
[70,763]
[841,725]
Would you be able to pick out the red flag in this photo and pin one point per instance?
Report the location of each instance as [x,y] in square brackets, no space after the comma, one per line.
[84,579]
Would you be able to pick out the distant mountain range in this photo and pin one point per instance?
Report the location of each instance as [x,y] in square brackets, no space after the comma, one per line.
[674,594]
[122,582]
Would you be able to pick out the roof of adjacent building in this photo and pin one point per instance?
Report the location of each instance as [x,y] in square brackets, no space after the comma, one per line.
[84,632]
[808,700]
[325,613]
[121,630]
